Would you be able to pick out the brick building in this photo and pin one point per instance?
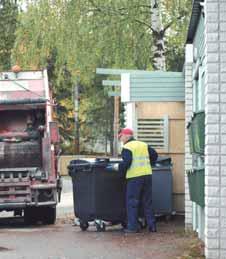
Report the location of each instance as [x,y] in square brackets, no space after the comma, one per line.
[205,90]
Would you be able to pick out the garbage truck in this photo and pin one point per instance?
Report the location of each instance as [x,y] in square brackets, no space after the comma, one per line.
[30,185]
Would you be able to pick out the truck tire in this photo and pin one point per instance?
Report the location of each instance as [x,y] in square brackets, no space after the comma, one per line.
[49,215]
[30,216]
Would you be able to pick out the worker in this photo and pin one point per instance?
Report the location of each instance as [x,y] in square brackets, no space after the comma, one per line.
[137,158]
[32,132]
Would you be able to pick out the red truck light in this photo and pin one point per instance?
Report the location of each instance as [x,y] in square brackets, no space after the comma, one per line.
[54,132]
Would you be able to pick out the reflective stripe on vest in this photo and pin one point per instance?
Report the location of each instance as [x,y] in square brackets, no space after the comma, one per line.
[140,163]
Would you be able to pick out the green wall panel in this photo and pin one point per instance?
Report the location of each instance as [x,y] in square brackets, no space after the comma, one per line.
[157,86]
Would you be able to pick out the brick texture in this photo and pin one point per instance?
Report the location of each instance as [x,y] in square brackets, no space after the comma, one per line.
[188,157]
[215,123]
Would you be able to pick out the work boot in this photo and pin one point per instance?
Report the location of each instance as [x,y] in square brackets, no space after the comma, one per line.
[152,229]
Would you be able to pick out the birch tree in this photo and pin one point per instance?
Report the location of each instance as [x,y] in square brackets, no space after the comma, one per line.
[158,18]
[158,48]
[84,35]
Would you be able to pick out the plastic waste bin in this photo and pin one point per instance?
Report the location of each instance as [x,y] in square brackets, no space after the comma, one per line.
[196,185]
[196,133]
[162,187]
[98,192]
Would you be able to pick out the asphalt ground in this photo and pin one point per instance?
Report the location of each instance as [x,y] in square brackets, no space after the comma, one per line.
[66,241]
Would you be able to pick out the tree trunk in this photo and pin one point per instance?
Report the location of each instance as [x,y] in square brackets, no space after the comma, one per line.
[158,49]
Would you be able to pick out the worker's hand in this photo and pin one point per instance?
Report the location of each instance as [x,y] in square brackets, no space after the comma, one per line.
[115,167]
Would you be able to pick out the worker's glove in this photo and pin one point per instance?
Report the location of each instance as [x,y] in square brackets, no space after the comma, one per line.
[41,128]
[113,167]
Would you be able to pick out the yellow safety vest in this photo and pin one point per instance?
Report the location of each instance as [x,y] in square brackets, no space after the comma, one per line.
[140,163]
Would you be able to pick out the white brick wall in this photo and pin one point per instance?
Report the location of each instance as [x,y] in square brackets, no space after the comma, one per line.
[215,122]
[188,114]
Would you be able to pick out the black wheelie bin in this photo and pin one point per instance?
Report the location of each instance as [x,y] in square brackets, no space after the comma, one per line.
[98,192]
[162,187]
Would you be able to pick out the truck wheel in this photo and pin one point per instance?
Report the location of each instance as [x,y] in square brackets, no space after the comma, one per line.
[49,215]
[84,225]
[30,216]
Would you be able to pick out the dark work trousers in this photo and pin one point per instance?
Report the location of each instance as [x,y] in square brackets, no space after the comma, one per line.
[139,192]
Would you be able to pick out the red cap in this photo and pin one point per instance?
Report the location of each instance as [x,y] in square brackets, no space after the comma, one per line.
[125,131]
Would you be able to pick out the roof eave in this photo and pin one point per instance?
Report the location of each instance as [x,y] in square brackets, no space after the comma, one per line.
[196,11]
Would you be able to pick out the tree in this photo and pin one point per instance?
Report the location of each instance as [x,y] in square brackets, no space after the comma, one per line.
[158,20]
[8,24]
[159,59]
[136,34]
[62,90]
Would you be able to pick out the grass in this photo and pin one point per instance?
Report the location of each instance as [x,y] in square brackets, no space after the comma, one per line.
[194,248]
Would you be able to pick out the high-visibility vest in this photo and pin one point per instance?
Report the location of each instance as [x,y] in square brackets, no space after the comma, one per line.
[140,163]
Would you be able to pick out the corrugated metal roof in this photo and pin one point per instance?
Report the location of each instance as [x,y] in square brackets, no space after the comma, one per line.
[196,10]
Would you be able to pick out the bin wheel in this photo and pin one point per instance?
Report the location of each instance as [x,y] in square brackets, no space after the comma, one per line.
[123,224]
[84,225]
[100,226]
[168,218]
[142,223]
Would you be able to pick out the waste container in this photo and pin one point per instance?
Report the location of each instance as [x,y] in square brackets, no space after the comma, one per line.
[196,185]
[98,192]
[196,133]
[162,187]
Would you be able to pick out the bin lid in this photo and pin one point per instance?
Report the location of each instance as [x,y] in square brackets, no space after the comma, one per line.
[163,161]
[98,161]
[94,160]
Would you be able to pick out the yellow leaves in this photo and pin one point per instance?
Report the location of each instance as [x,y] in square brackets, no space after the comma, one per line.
[66,103]
[70,114]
